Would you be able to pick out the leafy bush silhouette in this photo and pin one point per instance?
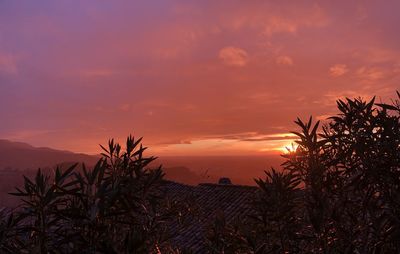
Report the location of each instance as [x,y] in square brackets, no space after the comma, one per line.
[351,175]
[276,211]
[113,208]
[340,189]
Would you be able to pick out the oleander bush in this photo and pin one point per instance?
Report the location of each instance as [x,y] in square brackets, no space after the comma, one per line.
[339,191]
[115,207]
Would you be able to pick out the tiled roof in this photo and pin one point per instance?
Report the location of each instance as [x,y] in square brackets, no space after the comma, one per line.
[210,199]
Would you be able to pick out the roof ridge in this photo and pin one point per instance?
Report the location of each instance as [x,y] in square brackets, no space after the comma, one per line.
[167,181]
[228,185]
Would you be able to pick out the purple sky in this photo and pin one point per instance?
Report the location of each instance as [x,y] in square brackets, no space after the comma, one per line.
[192,77]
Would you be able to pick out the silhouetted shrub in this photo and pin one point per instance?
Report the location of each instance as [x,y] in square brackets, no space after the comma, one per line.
[114,208]
[340,189]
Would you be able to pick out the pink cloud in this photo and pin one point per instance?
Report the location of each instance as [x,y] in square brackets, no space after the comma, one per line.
[284,60]
[271,19]
[278,24]
[233,56]
[371,73]
[338,70]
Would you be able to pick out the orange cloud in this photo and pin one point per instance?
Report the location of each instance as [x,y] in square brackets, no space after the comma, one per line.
[279,24]
[235,144]
[338,70]
[331,97]
[273,19]
[371,74]
[233,56]
[284,60]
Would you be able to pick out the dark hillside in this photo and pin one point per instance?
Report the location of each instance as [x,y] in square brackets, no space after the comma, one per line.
[18,155]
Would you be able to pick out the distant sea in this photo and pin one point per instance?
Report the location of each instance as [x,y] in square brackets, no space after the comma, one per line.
[241,169]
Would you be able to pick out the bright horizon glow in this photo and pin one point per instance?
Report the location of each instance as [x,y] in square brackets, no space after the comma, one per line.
[289,147]
[236,144]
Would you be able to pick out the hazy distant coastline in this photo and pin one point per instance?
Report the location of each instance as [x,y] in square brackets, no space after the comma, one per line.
[17,159]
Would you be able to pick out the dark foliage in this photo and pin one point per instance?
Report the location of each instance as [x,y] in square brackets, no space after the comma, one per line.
[116,207]
[340,189]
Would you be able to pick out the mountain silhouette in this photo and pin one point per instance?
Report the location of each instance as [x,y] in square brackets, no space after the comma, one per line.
[18,159]
[23,156]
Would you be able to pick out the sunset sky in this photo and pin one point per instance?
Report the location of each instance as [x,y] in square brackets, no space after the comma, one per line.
[191,77]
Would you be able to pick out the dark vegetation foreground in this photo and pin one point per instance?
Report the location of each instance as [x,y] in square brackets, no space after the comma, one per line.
[339,193]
